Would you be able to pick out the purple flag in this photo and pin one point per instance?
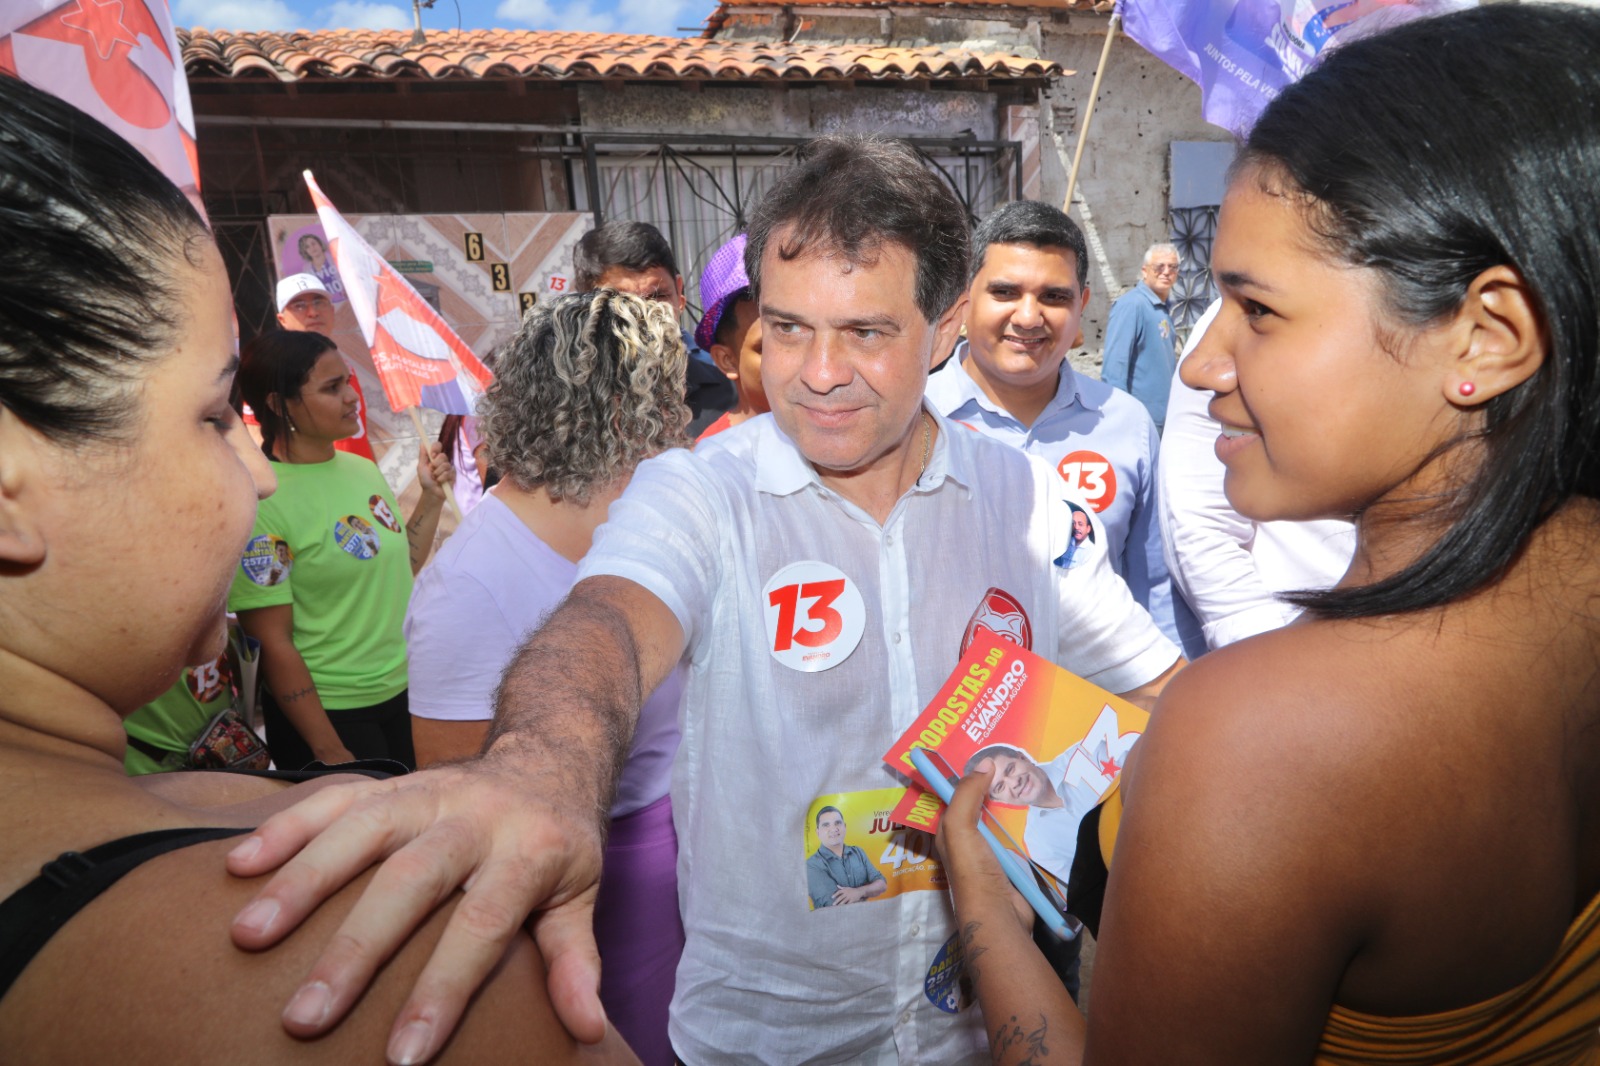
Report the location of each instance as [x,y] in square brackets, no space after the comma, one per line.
[1243,52]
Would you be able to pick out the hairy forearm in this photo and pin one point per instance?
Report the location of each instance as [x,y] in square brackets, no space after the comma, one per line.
[568,703]
[422,528]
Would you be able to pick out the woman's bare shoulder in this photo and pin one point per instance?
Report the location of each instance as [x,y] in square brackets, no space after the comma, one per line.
[1264,832]
[147,973]
[1302,686]
[1308,739]
[236,799]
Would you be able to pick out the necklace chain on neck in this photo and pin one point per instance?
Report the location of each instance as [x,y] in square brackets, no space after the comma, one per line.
[927,437]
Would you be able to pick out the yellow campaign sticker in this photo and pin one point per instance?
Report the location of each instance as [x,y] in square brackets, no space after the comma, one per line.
[855,854]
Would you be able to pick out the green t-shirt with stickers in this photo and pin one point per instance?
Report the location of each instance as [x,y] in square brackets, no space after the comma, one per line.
[175,719]
[330,543]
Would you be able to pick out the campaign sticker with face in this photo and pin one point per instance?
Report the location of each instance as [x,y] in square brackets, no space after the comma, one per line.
[1083,542]
[355,535]
[815,616]
[1001,614]
[946,985]
[1090,477]
[380,510]
[267,560]
[856,853]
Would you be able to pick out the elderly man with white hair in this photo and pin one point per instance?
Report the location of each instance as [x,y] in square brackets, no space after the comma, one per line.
[1141,349]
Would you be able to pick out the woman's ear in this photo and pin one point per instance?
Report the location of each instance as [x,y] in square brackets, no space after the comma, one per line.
[275,404]
[21,538]
[1500,340]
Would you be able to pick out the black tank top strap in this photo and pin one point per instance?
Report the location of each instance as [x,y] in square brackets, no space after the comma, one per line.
[70,882]
[377,769]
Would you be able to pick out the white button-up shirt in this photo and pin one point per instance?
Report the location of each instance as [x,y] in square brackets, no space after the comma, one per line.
[1087,427]
[764,978]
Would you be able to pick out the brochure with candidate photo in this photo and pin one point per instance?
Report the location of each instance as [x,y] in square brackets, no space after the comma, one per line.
[1057,741]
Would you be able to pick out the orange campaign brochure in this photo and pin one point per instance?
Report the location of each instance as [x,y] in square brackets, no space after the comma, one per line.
[1057,741]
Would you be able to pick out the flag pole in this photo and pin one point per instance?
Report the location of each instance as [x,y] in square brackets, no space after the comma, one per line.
[449,490]
[1088,114]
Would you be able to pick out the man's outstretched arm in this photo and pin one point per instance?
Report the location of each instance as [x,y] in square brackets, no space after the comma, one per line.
[519,827]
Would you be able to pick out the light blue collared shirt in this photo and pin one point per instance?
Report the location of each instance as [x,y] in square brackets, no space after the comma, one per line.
[1112,445]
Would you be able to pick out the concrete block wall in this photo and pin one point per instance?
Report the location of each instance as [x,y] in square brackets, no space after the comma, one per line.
[1142,107]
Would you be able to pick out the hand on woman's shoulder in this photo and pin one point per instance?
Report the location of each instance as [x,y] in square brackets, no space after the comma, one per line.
[147,973]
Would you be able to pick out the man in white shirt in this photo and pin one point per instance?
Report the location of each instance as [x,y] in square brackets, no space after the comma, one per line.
[816,569]
[1010,380]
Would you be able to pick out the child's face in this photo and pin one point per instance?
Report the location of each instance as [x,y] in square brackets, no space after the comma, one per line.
[740,358]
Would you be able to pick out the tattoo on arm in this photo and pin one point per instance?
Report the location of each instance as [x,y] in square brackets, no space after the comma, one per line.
[969,953]
[413,532]
[1028,1043]
[299,694]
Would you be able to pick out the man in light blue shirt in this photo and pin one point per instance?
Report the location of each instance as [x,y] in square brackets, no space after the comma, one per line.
[1141,350]
[1010,380]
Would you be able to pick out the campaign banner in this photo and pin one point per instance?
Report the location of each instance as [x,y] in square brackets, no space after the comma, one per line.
[420,360]
[116,62]
[1243,53]
[1057,743]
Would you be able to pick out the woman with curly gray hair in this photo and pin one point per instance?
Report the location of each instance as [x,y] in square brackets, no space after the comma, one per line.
[591,385]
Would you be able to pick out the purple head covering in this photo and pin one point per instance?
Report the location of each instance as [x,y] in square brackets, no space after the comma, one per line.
[722,282]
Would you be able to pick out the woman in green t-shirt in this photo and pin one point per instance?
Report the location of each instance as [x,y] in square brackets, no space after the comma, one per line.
[324,581]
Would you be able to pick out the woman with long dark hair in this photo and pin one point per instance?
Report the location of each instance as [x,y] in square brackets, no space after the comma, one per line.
[1370,837]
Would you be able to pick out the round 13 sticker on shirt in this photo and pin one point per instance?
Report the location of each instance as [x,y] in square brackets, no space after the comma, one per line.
[380,510]
[815,616]
[1091,477]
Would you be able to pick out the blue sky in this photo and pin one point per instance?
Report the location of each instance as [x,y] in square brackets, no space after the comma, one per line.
[612,16]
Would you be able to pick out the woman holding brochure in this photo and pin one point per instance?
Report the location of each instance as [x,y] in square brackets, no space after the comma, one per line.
[1370,836]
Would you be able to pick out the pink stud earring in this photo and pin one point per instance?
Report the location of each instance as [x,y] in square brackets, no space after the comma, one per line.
[1466,388]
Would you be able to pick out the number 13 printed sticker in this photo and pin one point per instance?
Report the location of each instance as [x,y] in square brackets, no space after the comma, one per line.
[815,616]
[1090,477]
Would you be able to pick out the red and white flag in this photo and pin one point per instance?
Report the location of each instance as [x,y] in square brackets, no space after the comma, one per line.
[419,358]
[116,60]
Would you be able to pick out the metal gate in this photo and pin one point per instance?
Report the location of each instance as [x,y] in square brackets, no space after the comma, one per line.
[698,191]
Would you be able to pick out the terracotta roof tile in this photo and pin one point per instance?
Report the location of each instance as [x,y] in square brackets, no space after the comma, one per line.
[557,55]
